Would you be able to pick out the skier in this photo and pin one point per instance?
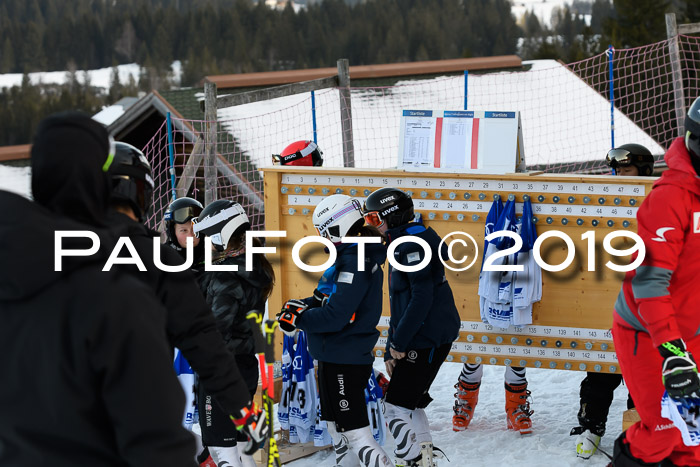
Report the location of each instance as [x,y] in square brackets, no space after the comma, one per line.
[87,372]
[178,227]
[190,325]
[231,295]
[597,389]
[424,323]
[342,329]
[300,153]
[655,321]
[517,406]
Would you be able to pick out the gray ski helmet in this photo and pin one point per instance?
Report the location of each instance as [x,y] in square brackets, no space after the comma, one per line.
[631,154]
[132,182]
[220,221]
[180,211]
[692,129]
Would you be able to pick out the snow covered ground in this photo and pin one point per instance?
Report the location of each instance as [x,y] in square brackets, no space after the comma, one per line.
[487,443]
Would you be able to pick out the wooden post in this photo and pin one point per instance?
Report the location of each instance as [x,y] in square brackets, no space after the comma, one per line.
[346,112]
[678,92]
[210,116]
[190,170]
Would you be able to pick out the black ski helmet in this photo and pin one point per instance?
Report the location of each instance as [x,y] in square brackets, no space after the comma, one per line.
[132,182]
[180,211]
[389,205]
[692,129]
[220,221]
[631,154]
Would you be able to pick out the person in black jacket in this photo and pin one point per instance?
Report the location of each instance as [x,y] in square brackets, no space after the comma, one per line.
[191,327]
[231,296]
[424,322]
[597,389]
[87,372]
[342,329]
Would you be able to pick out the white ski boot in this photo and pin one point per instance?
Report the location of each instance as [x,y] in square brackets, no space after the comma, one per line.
[428,457]
[586,443]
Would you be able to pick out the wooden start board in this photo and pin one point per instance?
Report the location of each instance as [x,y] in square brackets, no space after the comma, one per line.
[571,324]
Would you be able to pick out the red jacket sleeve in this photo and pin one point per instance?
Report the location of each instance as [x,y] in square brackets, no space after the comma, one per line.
[663,223]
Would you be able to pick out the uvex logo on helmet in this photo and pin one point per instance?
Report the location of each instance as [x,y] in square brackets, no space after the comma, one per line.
[391,209]
[323,226]
[387,199]
[322,212]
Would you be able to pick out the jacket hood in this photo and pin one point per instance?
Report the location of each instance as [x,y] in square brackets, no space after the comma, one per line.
[27,236]
[68,156]
[680,169]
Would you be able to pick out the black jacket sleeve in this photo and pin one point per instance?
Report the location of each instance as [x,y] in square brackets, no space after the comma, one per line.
[131,359]
[230,299]
[192,328]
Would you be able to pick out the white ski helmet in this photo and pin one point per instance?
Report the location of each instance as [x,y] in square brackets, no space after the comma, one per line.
[336,215]
[220,221]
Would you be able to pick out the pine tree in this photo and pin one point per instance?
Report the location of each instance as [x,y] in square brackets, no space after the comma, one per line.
[640,22]
[7,60]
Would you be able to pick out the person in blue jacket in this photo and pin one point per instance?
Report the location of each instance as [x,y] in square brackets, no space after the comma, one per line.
[424,321]
[342,329]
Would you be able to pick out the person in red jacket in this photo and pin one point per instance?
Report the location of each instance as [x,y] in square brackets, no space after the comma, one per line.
[656,319]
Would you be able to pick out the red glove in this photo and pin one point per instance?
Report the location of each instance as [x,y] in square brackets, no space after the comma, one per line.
[253,423]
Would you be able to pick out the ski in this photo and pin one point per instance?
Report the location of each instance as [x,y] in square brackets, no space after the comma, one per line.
[264,347]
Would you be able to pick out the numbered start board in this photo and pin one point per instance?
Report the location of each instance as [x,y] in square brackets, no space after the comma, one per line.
[571,323]
[461,141]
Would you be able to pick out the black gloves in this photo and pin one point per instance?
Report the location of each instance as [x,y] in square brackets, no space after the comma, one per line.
[679,371]
[290,314]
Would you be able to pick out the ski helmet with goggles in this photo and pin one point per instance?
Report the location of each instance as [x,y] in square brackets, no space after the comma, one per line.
[631,155]
[132,182]
[180,211]
[388,205]
[335,216]
[692,129]
[300,153]
[220,221]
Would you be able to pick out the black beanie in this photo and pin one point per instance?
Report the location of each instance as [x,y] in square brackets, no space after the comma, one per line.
[68,155]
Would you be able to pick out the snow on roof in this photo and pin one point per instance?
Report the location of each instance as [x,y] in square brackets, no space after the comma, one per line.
[563,119]
[109,114]
[16,179]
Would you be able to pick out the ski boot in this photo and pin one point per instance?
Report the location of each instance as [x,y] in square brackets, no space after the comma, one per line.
[466,398]
[204,459]
[586,442]
[518,410]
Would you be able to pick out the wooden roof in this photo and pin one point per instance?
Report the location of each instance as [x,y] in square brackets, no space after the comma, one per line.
[15,153]
[274,78]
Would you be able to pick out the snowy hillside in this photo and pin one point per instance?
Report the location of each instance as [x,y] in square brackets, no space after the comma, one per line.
[98,78]
[543,9]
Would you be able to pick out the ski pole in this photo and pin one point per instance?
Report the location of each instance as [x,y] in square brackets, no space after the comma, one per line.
[273,457]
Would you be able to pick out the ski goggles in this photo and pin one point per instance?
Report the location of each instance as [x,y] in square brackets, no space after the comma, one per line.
[182,215]
[291,159]
[619,158]
[372,218]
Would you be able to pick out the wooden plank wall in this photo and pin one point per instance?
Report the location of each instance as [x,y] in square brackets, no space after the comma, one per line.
[570,325]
